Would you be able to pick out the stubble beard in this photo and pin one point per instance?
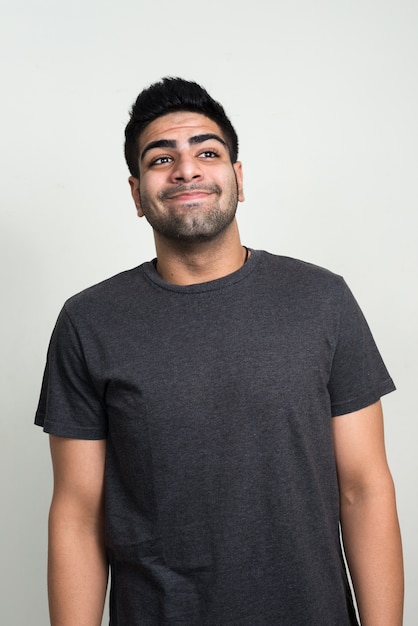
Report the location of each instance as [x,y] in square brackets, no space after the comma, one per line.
[194,223]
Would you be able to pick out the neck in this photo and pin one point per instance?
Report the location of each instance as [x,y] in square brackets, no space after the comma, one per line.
[181,263]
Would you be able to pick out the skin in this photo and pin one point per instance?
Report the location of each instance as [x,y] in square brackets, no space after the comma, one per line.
[77,563]
[188,190]
[369,521]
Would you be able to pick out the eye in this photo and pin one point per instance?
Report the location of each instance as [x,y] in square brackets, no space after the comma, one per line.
[161,160]
[208,154]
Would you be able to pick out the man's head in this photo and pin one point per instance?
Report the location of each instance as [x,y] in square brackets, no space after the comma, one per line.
[182,152]
[168,96]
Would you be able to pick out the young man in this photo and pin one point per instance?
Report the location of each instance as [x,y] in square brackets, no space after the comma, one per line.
[214,415]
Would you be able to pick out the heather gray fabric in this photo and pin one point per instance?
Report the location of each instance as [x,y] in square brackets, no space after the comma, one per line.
[216,400]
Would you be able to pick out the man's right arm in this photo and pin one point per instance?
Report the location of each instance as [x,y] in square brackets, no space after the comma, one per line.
[77,563]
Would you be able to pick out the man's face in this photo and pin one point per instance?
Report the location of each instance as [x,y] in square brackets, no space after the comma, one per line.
[188,188]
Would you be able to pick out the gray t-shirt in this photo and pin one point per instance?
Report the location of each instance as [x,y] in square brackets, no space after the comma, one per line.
[216,400]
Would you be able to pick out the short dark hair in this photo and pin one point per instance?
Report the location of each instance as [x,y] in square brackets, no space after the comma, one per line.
[167,96]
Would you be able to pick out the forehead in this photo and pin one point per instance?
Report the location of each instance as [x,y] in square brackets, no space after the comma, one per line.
[179,125]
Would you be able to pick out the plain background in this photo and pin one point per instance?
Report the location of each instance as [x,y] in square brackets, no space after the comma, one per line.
[324,97]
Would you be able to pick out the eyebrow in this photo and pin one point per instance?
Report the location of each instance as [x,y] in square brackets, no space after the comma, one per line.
[172,143]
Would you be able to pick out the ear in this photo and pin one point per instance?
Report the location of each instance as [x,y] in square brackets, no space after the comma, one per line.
[134,185]
[240,183]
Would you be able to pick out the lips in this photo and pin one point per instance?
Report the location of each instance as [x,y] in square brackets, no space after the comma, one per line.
[189,193]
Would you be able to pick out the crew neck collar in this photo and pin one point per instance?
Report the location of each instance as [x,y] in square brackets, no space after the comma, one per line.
[212,285]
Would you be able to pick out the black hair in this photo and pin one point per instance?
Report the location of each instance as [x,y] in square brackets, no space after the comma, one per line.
[167,96]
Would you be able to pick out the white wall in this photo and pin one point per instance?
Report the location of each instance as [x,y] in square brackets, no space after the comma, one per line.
[324,97]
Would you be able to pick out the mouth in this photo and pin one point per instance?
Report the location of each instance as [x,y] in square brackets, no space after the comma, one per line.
[190,193]
[189,196]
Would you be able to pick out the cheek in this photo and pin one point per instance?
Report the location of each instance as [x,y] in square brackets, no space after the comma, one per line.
[232,184]
[143,191]
[149,186]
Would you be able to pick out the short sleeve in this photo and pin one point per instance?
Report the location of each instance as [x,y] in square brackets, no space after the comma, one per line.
[358,376]
[69,404]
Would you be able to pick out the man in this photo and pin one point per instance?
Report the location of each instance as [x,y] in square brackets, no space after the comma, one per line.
[214,415]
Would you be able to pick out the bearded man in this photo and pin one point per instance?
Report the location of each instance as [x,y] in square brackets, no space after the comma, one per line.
[214,415]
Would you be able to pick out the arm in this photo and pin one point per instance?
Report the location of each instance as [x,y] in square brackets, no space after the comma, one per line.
[369,522]
[77,564]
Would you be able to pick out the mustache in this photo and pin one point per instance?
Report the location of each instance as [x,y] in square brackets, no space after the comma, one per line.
[182,188]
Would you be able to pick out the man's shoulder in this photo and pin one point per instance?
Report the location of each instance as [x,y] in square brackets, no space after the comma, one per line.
[297,271]
[108,292]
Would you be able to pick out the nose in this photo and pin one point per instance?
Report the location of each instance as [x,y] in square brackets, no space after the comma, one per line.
[187,169]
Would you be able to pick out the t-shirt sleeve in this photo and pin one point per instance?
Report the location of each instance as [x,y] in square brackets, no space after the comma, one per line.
[358,375]
[69,405]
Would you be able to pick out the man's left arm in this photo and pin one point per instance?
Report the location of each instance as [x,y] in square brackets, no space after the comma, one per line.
[369,520]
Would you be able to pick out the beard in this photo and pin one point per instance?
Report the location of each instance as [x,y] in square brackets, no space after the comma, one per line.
[193,221]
